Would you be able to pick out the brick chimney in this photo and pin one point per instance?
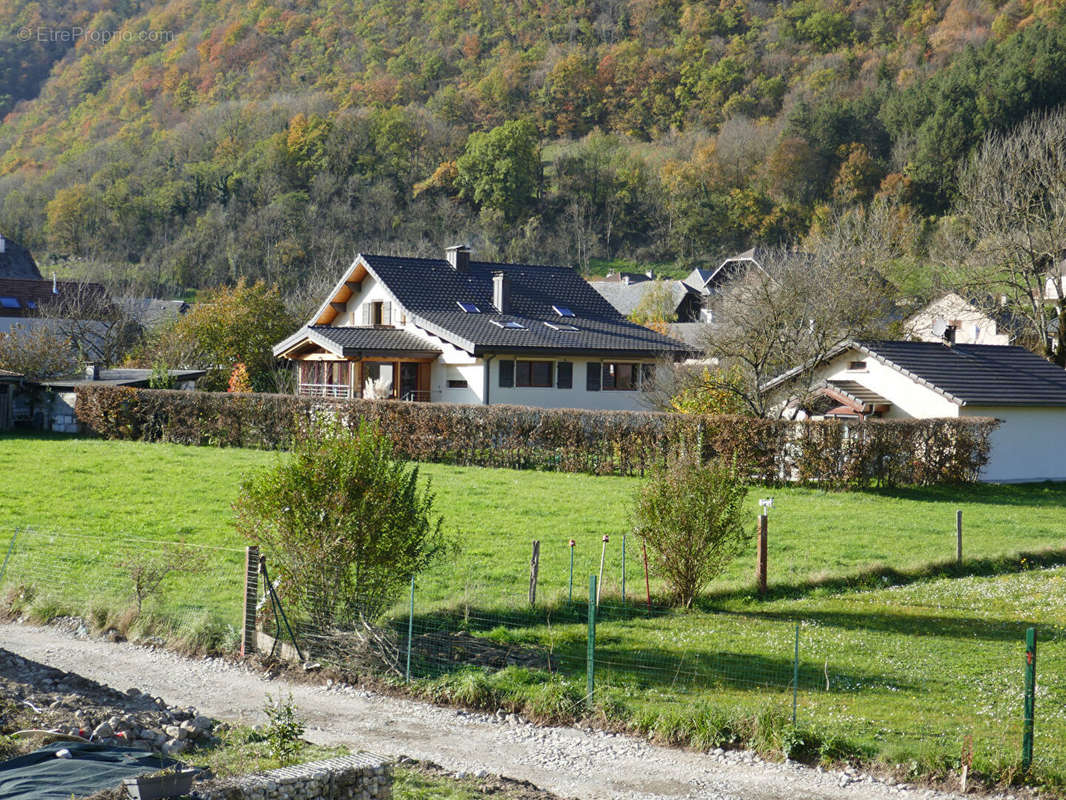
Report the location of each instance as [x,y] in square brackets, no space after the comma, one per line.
[459,257]
[501,292]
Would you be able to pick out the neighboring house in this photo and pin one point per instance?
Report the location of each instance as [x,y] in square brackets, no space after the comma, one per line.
[711,281]
[627,296]
[56,412]
[22,300]
[924,380]
[16,261]
[953,318]
[460,331]
[8,382]
[151,312]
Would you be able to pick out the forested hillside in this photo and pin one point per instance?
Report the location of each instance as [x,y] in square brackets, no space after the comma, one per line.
[191,142]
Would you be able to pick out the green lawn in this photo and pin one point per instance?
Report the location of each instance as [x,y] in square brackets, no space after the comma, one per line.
[901,656]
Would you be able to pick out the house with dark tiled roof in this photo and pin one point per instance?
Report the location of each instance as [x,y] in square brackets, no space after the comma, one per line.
[462,331]
[16,261]
[922,380]
[626,296]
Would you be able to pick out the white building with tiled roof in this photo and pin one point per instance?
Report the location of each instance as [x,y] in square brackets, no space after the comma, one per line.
[462,331]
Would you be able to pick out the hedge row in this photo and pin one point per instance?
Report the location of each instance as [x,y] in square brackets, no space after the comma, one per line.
[830,453]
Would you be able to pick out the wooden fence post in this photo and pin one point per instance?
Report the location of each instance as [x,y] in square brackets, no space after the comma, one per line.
[760,564]
[534,569]
[251,595]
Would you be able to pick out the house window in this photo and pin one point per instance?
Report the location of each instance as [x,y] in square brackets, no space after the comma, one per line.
[378,380]
[525,373]
[457,383]
[647,371]
[857,366]
[533,373]
[620,377]
[377,313]
[9,302]
[564,375]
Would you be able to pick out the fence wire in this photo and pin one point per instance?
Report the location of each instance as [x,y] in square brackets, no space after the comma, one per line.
[178,592]
[941,687]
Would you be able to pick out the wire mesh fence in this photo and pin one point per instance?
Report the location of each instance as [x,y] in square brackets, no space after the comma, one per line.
[186,594]
[913,685]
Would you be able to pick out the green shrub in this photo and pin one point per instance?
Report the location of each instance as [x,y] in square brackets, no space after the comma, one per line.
[343,521]
[284,730]
[689,514]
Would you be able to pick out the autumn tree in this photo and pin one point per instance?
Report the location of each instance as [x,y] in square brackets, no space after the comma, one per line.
[37,352]
[1013,201]
[230,326]
[501,170]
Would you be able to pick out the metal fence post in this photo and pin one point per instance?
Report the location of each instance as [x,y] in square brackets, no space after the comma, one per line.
[795,674]
[251,597]
[623,569]
[10,547]
[590,662]
[1030,698]
[410,628]
[958,537]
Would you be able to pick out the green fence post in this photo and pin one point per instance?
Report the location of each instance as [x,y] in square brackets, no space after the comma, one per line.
[1030,698]
[795,674]
[10,547]
[590,663]
[623,569]
[571,596]
[410,628]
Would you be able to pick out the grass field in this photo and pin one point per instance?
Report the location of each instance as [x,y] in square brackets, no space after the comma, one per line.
[903,656]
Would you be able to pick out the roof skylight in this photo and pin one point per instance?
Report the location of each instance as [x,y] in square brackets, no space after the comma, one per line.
[469,308]
[560,326]
[563,311]
[510,324]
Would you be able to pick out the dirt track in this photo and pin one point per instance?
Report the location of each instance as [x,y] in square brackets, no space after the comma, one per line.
[567,761]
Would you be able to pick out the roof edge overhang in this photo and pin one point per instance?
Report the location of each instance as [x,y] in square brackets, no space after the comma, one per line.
[302,337]
[843,347]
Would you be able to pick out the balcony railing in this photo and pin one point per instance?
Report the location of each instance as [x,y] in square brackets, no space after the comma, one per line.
[340,390]
[324,390]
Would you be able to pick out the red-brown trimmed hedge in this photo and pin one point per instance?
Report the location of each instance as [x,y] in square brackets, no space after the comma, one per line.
[829,453]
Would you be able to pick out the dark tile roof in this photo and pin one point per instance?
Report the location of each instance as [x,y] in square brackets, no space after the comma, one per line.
[858,393]
[976,374]
[431,290]
[627,297]
[119,377]
[16,262]
[352,341]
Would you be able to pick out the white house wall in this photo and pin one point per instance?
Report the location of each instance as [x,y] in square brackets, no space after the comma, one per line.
[576,397]
[1029,444]
[908,398]
[974,326]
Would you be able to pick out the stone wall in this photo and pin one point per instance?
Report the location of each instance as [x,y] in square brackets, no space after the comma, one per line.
[355,777]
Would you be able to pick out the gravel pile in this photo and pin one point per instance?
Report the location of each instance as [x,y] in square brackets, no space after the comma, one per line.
[39,698]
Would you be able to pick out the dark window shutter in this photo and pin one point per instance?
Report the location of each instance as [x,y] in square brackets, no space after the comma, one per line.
[366,314]
[386,313]
[564,375]
[507,374]
[592,377]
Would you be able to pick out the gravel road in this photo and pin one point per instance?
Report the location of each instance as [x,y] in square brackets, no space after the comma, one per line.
[566,761]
